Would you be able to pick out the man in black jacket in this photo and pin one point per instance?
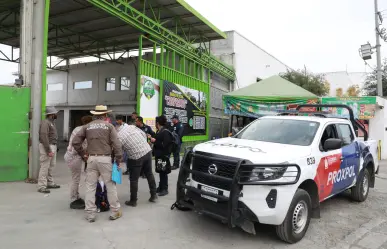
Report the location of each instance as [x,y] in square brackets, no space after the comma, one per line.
[177,127]
[145,128]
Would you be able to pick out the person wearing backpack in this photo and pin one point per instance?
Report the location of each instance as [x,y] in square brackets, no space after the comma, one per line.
[178,129]
[74,162]
[163,143]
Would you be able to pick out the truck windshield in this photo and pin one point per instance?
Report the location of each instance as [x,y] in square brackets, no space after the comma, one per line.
[282,131]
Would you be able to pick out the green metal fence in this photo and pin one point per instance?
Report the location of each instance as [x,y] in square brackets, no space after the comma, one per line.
[14,133]
[186,72]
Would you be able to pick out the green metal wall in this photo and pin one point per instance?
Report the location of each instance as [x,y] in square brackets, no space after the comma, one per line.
[186,72]
[14,133]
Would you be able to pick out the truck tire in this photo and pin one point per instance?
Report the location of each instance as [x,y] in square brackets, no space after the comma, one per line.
[297,220]
[360,191]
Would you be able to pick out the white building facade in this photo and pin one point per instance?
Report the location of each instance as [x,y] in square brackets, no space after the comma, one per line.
[249,60]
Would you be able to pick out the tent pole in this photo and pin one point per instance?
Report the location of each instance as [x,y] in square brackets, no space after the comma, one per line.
[231,121]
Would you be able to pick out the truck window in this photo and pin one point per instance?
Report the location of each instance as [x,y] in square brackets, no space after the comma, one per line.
[282,131]
[329,132]
[346,134]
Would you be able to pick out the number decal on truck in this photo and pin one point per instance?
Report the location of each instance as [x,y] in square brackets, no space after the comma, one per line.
[310,161]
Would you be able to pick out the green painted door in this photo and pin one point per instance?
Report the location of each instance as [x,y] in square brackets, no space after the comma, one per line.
[14,133]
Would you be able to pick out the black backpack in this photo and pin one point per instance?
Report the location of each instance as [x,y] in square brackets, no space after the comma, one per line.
[181,207]
[175,140]
[101,200]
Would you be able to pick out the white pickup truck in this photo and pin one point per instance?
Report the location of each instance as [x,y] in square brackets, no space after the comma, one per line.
[277,171]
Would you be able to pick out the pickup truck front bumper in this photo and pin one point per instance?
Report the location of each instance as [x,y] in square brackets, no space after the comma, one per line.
[227,208]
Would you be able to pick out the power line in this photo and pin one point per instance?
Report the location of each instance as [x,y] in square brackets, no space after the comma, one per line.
[237,82]
[365,62]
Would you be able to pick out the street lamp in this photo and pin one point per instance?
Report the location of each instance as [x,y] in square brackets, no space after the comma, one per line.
[366,51]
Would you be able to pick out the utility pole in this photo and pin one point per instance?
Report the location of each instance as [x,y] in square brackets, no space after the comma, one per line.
[31,64]
[378,56]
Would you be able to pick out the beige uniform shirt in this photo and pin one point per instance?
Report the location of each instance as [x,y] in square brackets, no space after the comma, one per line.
[71,153]
[48,134]
[101,139]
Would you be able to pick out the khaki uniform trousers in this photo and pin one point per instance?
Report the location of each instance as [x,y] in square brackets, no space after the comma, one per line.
[46,166]
[100,166]
[76,170]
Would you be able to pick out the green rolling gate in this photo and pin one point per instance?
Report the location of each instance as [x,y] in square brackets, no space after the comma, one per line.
[14,132]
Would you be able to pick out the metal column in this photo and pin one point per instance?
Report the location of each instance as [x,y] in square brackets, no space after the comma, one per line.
[26,18]
[43,63]
[378,56]
[33,51]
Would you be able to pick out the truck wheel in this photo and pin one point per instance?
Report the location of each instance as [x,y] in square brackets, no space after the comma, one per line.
[360,191]
[297,220]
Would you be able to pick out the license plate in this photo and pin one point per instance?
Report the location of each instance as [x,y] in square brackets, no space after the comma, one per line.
[210,190]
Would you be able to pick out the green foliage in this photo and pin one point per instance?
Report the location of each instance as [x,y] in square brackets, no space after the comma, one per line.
[314,83]
[370,84]
[353,91]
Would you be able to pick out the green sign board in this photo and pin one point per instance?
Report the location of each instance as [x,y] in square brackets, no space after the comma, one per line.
[253,108]
[363,107]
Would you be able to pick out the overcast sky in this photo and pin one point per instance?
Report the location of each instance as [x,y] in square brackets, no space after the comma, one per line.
[324,35]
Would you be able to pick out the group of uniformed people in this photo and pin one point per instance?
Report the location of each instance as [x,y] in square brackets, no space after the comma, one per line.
[99,143]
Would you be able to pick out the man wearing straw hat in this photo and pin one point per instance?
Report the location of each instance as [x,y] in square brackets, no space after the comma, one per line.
[48,138]
[102,138]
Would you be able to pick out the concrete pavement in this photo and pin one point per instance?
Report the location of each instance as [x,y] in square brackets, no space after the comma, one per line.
[32,220]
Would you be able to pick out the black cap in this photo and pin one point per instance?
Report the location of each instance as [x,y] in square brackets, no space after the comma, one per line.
[175,117]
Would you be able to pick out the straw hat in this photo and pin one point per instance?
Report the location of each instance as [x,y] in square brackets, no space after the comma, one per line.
[51,110]
[100,109]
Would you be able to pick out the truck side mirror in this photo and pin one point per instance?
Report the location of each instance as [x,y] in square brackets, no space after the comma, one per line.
[332,144]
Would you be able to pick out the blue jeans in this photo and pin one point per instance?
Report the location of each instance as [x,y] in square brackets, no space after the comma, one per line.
[176,157]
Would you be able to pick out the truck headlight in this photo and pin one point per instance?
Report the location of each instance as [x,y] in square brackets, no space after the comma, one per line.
[283,173]
[264,174]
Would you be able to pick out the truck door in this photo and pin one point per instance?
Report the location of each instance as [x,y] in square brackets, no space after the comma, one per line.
[349,169]
[329,162]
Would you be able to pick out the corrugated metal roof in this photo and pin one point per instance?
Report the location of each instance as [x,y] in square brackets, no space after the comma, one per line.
[78,28]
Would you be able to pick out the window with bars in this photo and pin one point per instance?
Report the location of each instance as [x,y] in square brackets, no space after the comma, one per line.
[124,83]
[110,84]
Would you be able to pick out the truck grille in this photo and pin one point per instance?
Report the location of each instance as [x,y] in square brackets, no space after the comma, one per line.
[201,162]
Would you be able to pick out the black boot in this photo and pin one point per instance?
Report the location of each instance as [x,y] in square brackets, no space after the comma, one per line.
[163,192]
[153,198]
[77,204]
[132,203]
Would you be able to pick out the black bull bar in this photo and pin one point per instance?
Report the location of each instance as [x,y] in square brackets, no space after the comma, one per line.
[237,212]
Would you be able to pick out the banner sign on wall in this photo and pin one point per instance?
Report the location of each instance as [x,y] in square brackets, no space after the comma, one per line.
[149,100]
[255,109]
[363,107]
[189,104]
